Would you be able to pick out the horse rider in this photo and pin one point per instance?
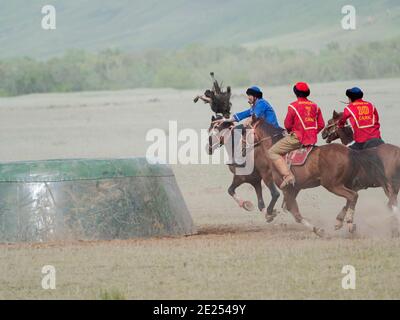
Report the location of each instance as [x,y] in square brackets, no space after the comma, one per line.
[259,107]
[303,122]
[364,120]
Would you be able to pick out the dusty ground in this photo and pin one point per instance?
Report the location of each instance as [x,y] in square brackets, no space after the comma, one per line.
[236,254]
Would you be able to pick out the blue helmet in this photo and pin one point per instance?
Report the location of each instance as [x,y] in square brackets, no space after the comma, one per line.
[354,93]
[255,92]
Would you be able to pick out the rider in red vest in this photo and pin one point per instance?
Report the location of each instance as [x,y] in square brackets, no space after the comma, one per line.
[364,120]
[304,117]
[303,122]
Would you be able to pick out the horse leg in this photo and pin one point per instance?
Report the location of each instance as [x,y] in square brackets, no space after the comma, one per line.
[351,196]
[390,192]
[267,177]
[291,205]
[395,210]
[392,195]
[340,216]
[274,196]
[260,200]
[395,206]
[238,181]
[261,206]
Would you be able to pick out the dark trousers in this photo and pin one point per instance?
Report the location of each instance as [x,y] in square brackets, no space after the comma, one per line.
[367,144]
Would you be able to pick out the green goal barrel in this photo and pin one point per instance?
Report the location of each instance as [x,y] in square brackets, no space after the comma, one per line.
[90,199]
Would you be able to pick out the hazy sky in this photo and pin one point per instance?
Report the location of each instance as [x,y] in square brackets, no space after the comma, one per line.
[138,25]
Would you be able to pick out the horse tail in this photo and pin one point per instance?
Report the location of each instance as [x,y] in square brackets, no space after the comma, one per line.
[367,169]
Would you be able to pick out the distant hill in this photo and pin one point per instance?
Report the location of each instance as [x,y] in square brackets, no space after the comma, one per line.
[133,25]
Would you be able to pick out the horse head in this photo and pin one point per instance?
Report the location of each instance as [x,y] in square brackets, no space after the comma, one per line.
[218,131]
[332,131]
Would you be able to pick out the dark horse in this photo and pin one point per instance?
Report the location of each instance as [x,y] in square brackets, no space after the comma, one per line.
[388,154]
[262,171]
[335,167]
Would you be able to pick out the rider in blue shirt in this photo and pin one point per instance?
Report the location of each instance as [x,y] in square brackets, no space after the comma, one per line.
[260,108]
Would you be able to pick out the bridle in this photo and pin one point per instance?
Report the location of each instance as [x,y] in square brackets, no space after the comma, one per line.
[213,129]
[335,131]
[254,127]
[248,146]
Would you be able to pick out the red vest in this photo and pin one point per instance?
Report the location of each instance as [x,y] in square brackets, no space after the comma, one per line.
[364,119]
[307,113]
[363,114]
[304,118]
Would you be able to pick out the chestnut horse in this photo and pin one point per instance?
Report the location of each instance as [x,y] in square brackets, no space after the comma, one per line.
[389,155]
[337,168]
[262,171]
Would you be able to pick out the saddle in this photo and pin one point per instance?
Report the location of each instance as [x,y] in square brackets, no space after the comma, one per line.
[298,157]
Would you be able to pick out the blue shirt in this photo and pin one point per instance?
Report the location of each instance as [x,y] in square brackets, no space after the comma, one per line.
[262,109]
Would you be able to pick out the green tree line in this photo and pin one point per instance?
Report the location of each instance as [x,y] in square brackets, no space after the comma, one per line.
[189,68]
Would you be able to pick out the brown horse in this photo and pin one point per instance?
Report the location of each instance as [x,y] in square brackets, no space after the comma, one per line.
[389,155]
[335,167]
[262,171]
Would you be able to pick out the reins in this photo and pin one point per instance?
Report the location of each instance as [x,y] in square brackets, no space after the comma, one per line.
[248,145]
[263,139]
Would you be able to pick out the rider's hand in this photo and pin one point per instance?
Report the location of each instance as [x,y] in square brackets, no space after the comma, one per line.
[224,120]
[230,120]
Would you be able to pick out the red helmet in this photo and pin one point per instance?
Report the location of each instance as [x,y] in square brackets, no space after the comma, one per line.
[301,89]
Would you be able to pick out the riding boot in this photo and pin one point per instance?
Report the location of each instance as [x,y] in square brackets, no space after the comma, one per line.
[284,171]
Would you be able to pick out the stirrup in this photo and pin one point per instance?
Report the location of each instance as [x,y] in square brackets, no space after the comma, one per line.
[287,180]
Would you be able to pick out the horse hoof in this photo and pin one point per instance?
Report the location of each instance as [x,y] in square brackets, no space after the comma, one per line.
[270,217]
[319,232]
[248,206]
[352,227]
[338,225]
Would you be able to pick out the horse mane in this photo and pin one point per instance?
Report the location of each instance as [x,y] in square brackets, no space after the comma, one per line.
[367,169]
[270,130]
[346,135]
[347,131]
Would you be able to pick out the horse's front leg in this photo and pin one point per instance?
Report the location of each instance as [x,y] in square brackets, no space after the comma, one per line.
[238,181]
[290,195]
[351,196]
[260,200]
[270,212]
[274,197]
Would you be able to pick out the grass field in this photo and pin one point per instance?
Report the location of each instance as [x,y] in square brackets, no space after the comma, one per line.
[235,254]
[240,262]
